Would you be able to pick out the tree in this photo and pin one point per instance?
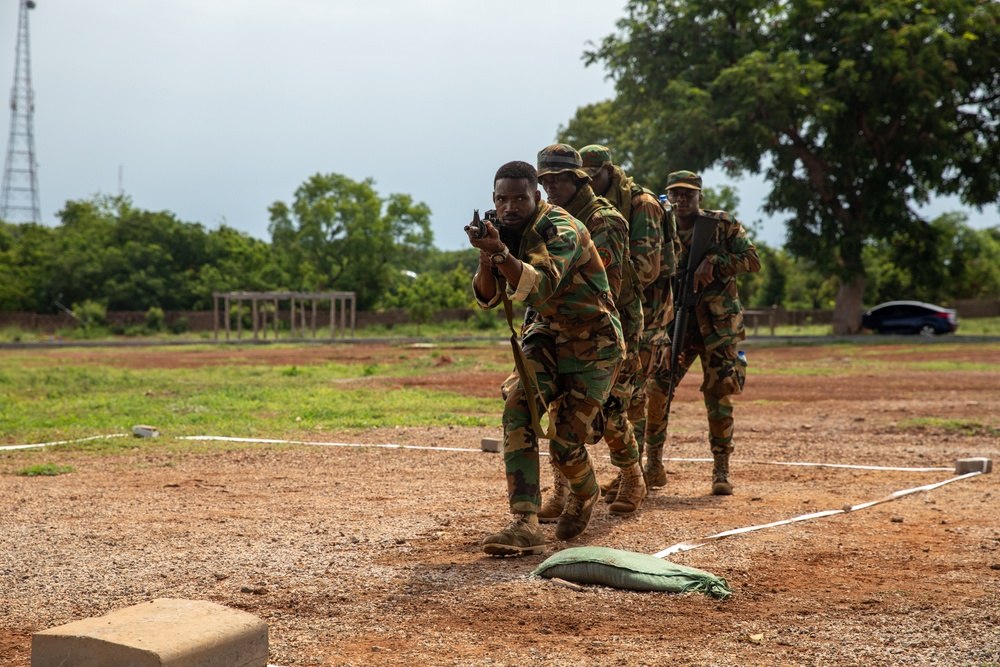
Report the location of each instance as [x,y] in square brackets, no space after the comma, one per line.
[340,234]
[855,111]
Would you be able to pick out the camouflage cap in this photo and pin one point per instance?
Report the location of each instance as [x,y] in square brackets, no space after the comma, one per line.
[595,157]
[684,179]
[557,158]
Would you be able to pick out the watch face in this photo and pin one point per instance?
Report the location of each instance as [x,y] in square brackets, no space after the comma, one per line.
[498,257]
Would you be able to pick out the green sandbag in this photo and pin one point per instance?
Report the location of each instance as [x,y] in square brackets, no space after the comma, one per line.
[630,571]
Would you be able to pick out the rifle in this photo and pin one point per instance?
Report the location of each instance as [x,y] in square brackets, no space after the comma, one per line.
[685,298]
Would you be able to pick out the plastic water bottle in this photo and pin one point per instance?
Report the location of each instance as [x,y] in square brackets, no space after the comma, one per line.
[742,356]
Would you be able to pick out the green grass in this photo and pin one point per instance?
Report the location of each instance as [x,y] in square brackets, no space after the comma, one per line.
[44,470]
[956,426]
[43,402]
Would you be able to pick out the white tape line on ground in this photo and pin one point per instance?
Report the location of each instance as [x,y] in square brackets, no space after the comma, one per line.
[221,438]
[63,442]
[694,544]
[820,465]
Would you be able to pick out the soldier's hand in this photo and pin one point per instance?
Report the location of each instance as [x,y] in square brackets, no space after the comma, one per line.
[704,274]
[659,359]
[490,243]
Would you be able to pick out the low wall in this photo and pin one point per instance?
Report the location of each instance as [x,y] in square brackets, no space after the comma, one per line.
[760,320]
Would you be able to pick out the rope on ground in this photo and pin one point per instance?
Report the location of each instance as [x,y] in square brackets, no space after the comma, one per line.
[694,544]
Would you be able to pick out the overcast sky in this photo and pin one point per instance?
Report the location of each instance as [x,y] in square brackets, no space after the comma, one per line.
[214,110]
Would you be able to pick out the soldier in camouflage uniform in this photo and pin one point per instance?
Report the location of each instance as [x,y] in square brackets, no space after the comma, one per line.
[653,247]
[717,324]
[548,261]
[561,174]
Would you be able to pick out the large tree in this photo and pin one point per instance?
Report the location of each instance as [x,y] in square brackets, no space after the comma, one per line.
[340,234]
[856,111]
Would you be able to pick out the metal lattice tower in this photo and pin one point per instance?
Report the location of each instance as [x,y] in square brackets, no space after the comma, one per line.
[19,199]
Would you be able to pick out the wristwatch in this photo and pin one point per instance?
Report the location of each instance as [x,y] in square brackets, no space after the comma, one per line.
[500,257]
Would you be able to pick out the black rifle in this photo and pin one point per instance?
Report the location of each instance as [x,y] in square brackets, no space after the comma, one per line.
[685,298]
[477,228]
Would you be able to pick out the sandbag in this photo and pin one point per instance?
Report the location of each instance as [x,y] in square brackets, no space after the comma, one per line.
[630,571]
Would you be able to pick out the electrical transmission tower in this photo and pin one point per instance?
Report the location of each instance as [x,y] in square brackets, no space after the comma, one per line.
[19,199]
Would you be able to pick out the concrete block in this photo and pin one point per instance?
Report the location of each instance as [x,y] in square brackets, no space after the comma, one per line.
[163,633]
[980,464]
[491,445]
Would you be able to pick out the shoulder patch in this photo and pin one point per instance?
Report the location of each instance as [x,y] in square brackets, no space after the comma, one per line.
[717,215]
[605,256]
[547,230]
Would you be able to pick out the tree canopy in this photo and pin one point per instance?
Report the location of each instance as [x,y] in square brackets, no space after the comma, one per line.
[340,234]
[855,111]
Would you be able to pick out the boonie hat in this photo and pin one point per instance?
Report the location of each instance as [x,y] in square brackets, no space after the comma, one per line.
[595,157]
[558,158]
[683,179]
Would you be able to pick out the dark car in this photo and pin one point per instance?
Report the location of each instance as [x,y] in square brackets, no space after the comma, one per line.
[910,317]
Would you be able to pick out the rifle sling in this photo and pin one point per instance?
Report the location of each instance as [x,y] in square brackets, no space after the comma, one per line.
[527,374]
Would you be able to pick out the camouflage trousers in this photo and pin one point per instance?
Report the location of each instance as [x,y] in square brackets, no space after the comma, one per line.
[723,375]
[636,408]
[621,432]
[575,403]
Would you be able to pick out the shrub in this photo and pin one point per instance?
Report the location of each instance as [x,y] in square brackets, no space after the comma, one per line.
[156,320]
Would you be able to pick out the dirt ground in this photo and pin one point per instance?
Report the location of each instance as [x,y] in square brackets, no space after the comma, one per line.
[370,555]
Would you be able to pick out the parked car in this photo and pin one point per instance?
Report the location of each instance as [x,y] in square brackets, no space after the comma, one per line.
[910,317]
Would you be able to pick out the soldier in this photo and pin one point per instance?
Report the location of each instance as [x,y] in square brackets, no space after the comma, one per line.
[573,345]
[717,324]
[652,249]
[561,174]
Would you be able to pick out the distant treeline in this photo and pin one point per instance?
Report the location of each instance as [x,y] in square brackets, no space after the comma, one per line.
[108,252]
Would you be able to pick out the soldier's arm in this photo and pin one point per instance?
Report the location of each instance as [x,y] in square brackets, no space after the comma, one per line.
[646,238]
[738,254]
[610,237]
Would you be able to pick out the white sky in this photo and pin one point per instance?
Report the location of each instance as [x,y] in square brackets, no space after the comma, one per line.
[214,110]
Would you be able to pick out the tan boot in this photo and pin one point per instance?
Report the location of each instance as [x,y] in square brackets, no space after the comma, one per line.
[609,489]
[631,492]
[576,517]
[654,471]
[523,537]
[721,485]
[554,505]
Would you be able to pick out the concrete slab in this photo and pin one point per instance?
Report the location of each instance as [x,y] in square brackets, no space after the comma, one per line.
[165,632]
[491,445]
[979,464]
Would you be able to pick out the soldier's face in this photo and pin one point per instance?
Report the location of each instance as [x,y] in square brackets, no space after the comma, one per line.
[685,201]
[515,201]
[559,188]
[601,181]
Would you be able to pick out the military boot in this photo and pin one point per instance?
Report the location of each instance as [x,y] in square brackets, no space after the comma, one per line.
[522,537]
[554,505]
[631,492]
[720,476]
[655,474]
[576,517]
[609,489]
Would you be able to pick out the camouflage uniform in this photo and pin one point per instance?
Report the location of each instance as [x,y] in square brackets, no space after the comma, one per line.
[652,249]
[714,331]
[574,344]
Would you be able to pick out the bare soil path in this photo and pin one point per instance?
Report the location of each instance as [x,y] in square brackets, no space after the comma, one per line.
[370,556]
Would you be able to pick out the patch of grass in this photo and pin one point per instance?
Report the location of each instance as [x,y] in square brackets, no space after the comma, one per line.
[45,403]
[44,470]
[956,426]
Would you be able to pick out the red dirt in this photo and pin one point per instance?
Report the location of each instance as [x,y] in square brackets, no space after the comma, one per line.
[383,565]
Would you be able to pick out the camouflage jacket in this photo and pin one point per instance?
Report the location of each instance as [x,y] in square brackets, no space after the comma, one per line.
[564,284]
[719,313]
[644,214]
[609,230]
[652,245]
